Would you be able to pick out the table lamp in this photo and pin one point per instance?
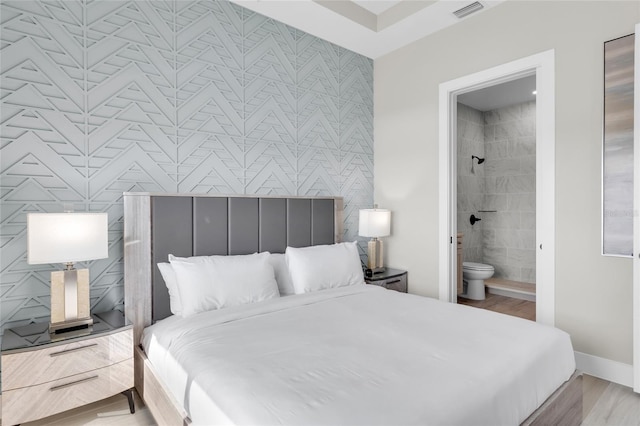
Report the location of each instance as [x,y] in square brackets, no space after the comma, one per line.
[375,223]
[67,238]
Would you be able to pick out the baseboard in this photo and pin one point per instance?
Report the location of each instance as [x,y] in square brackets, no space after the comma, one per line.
[613,371]
[514,294]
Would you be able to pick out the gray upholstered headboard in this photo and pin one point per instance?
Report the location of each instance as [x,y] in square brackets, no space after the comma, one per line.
[157,225]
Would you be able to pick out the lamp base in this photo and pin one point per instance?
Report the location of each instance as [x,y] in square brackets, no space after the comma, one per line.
[375,250]
[70,325]
[371,272]
[70,301]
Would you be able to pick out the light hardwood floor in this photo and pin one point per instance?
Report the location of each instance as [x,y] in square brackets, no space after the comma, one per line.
[108,412]
[613,404]
[505,305]
[604,404]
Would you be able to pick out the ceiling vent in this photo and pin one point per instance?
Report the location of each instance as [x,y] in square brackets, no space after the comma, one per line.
[468,10]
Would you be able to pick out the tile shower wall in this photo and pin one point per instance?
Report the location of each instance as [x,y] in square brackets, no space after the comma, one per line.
[102,97]
[510,183]
[471,185]
[505,182]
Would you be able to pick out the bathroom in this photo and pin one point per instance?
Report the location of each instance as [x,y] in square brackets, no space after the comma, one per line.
[496,197]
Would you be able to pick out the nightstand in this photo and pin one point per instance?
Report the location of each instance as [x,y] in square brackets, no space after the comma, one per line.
[391,279]
[44,374]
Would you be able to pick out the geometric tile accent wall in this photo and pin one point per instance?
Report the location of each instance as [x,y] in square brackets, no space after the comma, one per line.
[501,190]
[471,181]
[102,97]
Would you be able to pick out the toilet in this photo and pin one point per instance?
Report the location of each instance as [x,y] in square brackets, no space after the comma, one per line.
[474,275]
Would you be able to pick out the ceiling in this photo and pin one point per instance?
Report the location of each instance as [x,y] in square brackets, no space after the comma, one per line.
[376,6]
[502,95]
[371,28]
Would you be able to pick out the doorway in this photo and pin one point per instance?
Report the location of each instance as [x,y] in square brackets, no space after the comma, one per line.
[542,67]
[496,197]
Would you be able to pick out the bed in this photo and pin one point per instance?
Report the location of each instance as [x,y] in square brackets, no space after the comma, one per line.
[347,355]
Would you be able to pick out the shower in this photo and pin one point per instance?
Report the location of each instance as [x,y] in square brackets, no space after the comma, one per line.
[480,160]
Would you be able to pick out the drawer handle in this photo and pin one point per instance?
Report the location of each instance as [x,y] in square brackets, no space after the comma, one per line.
[66,385]
[393,282]
[54,354]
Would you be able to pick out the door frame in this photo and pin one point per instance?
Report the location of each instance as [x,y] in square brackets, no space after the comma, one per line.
[543,66]
[636,217]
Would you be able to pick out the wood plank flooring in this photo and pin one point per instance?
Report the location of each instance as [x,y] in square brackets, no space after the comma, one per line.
[617,406]
[505,305]
[108,412]
[592,390]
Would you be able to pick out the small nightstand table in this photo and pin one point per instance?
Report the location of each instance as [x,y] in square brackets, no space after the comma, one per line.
[45,374]
[391,279]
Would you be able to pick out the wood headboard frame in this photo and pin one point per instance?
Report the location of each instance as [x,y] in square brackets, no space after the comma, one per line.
[202,224]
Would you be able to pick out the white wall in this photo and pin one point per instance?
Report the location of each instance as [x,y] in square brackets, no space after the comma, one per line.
[593,293]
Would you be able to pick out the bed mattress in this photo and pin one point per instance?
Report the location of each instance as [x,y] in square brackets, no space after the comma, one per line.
[358,355]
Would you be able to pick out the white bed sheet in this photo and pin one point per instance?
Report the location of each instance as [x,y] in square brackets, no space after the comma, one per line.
[358,355]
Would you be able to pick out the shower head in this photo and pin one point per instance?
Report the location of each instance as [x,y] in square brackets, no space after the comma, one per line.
[480,160]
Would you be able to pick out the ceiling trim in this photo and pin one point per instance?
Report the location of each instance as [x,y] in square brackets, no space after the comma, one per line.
[400,11]
[313,18]
[377,6]
[352,11]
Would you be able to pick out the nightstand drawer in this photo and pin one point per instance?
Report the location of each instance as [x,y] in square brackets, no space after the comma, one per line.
[396,283]
[31,403]
[391,279]
[33,367]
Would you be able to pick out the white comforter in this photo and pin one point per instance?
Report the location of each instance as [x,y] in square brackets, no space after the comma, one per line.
[358,355]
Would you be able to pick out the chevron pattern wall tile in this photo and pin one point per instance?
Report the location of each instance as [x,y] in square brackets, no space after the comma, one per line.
[270,110]
[208,32]
[318,65]
[103,97]
[211,163]
[319,172]
[130,132]
[270,50]
[210,97]
[270,168]
[356,127]
[356,137]
[356,171]
[42,152]
[318,120]
[356,78]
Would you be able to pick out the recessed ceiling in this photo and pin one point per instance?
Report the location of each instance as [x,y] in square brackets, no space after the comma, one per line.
[377,6]
[502,95]
[369,27]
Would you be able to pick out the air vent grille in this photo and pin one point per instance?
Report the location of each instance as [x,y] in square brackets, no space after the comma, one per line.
[468,10]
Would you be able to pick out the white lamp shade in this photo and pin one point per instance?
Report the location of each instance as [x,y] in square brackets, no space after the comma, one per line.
[374,223]
[66,237]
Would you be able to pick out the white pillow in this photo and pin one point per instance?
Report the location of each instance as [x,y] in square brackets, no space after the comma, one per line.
[321,267]
[245,279]
[172,299]
[192,259]
[171,281]
[198,292]
[279,264]
[213,282]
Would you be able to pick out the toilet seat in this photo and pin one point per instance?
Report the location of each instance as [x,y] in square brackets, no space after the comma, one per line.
[473,266]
